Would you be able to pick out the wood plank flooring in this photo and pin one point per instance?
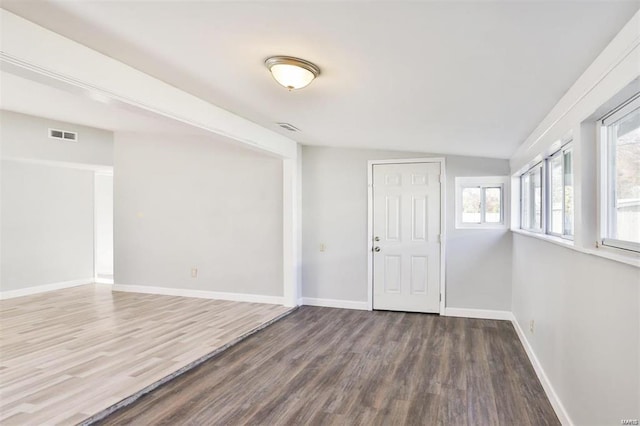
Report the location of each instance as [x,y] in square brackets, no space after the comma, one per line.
[69,354]
[342,367]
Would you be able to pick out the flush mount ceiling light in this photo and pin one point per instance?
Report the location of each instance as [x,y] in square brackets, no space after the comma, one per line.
[292,73]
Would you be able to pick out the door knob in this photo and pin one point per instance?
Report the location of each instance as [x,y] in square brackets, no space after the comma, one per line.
[376,249]
[376,239]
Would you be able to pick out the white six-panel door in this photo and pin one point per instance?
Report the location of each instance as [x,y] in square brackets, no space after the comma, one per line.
[406,233]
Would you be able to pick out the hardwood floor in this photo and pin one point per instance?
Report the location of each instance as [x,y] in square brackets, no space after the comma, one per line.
[331,366]
[69,354]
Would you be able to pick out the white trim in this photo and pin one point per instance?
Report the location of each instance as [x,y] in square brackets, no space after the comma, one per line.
[26,51]
[443,233]
[443,223]
[95,229]
[561,412]
[559,409]
[615,67]
[483,182]
[96,277]
[10,294]
[97,168]
[622,111]
[605,208]
[552,238]
[335,303]
[540,169]
[618,255]
[201,294]
[566,147]
[478,313]
[621,244]
[290,230]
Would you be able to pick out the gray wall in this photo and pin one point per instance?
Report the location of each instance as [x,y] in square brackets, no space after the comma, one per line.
[47,205]
[587,327]
[478,261]
[334,213]
[192,202]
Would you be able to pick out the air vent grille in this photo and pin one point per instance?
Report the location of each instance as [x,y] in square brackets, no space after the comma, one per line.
[63,135]
[289,127]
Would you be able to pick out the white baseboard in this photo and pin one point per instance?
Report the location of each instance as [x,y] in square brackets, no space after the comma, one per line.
[544,380]
[335,303]
[562,414]
[202,294]
[27,291]
[478,313]
[103,280]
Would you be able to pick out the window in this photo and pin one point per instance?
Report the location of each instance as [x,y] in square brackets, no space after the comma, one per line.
[531,199]
[560,214]
[546,195]
[480,202]
[620,200]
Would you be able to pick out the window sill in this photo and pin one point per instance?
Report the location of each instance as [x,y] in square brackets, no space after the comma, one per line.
[628,259]
[482,226]
[546,237]
[612,254]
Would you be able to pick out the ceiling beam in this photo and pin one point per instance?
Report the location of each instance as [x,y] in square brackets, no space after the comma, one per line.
[34,52]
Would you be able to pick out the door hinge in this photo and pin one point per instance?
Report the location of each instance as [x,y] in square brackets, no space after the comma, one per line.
[440,178]
[440,238]
[441,297]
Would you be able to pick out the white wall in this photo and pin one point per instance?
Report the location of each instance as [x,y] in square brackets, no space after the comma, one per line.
[334,213]
[47,225]
[104,226]
[183,203]
[26,137]
[585,306]
[47,212]
[586,331]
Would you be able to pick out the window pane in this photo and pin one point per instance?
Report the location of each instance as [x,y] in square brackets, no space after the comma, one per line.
[492,199]
[568,193]
[556,194]
[526,201]
[536,184]
[625,150]
[471,205]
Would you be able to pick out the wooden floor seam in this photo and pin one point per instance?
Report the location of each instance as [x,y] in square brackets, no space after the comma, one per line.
[71,356]
[325,366]
[134,397]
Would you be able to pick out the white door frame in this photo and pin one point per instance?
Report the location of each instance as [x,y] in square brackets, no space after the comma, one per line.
[443,185]
[96,279]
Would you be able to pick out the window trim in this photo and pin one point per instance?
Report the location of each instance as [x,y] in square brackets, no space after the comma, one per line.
[482,182]
[604,177]
[561,152]
[543,195]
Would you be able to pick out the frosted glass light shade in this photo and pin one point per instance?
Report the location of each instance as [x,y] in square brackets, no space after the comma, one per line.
[292,73]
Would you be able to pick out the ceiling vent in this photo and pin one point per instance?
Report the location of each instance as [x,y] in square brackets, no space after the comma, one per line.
[63,135]
[289,127]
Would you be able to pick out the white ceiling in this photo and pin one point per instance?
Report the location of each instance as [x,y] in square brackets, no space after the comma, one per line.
[448,77]
[58,104]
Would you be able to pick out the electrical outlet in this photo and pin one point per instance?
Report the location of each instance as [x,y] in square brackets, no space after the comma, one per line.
[194,272]
[323,247]
[532,326]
